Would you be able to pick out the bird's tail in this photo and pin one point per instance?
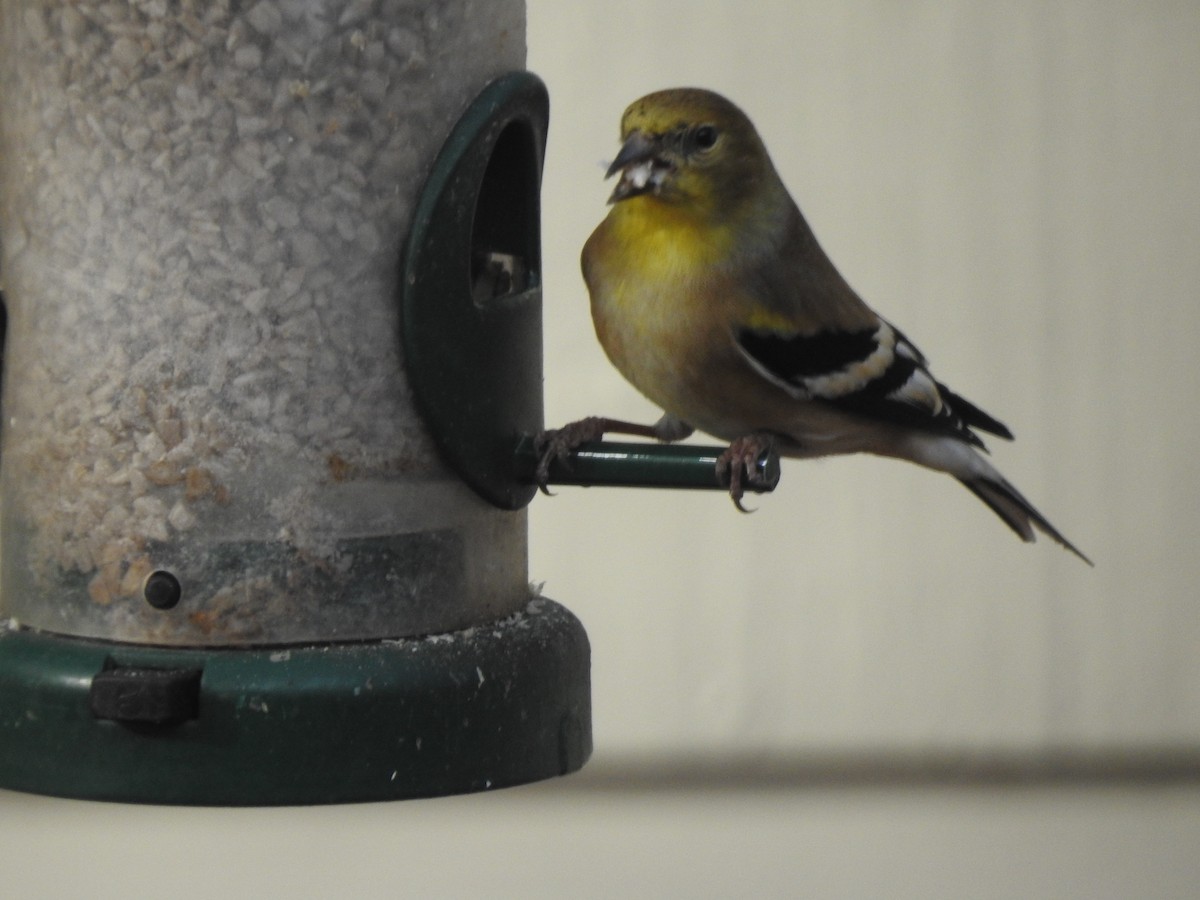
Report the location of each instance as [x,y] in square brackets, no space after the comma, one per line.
[1017,512]
[949,453]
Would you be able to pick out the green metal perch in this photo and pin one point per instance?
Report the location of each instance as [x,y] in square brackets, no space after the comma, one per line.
[632,464]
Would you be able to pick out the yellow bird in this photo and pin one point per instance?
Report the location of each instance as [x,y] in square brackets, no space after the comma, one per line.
[711,295]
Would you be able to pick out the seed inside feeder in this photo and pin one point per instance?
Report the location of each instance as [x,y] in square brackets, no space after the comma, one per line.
[203,208]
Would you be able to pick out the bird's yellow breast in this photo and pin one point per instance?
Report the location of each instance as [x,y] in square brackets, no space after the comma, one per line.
[659,242]
[653,276]
[642,266]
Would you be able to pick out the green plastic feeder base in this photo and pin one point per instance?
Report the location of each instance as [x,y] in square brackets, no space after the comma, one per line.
[492,706]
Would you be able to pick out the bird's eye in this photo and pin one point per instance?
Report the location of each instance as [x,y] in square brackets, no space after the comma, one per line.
[705,137]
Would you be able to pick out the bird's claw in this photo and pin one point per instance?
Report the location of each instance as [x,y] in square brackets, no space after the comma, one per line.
[738,466]
[555,445]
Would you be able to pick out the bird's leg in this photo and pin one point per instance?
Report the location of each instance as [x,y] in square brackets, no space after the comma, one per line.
[739,464]
[557,443]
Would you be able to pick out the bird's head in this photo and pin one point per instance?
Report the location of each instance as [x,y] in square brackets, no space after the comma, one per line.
[691,148]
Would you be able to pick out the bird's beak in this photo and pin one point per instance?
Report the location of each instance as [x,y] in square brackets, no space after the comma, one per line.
[638,147]
[640,167]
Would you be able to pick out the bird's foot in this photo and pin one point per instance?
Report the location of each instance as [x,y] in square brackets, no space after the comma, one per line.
[555,445]
[738,465]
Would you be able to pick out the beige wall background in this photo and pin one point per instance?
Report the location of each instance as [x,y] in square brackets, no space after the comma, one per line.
[1017,186]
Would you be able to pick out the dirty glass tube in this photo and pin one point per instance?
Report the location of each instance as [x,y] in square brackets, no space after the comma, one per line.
[201,212]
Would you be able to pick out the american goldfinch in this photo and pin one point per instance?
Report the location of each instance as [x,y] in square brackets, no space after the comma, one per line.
[710,293]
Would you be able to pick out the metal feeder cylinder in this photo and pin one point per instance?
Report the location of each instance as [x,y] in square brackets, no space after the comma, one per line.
[243,558]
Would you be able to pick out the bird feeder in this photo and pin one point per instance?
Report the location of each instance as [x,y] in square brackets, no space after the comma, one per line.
[272,278]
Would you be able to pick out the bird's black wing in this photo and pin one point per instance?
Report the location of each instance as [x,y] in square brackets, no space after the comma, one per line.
[876,373]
